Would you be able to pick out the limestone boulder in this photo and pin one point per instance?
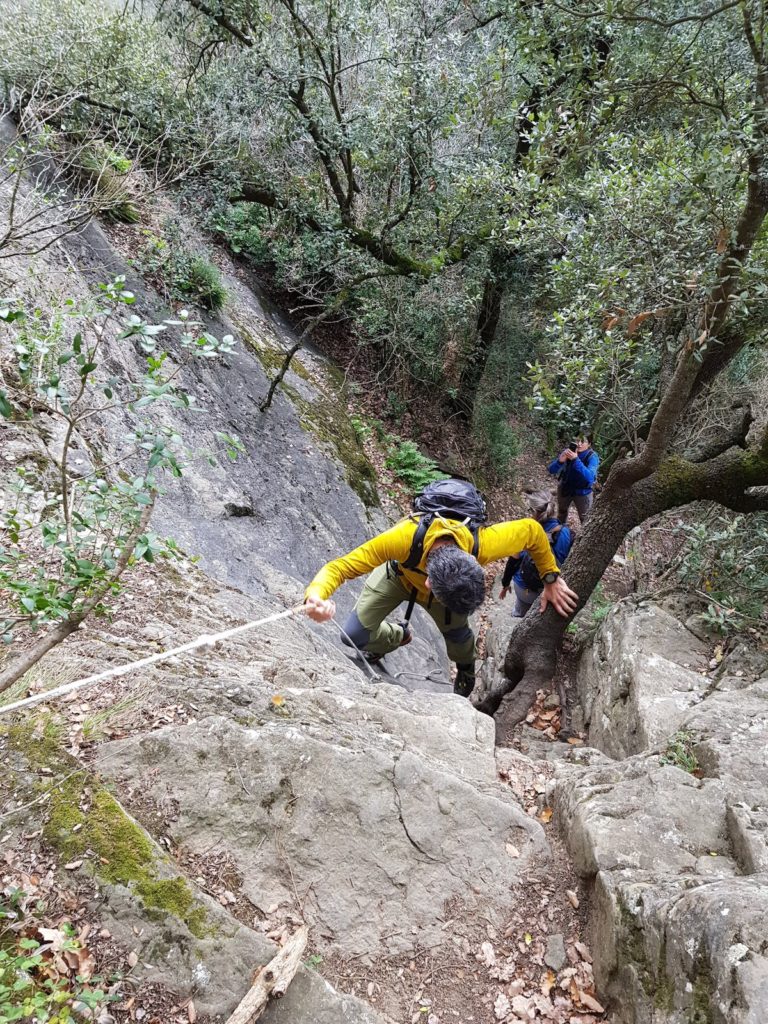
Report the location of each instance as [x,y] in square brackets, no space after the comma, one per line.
[375,820]
[638,679]
[682,951]
[676,858]
[642,816]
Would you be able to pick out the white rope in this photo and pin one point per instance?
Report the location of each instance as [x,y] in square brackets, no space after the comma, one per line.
[205,640]
[374,675]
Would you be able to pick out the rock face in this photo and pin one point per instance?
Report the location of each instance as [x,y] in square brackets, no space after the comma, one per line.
[638,679]
[677,860]
[375,806]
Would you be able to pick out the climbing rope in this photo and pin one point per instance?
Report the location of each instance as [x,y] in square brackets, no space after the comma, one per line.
[205,640]
[375,677]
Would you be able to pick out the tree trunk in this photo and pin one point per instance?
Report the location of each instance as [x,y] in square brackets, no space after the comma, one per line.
[21,665]
[474,366]
[532,653]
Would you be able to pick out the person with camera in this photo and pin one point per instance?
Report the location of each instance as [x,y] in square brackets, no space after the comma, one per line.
[576,471]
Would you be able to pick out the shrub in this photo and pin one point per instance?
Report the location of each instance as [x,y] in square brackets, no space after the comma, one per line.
[105,173]
[412,467]
[64,559]
[202,282]
[33,986]
[182,274]
[680,752]
[725,559]
[497,436]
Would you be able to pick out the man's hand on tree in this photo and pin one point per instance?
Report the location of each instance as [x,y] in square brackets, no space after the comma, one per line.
[320,610]
[560,596]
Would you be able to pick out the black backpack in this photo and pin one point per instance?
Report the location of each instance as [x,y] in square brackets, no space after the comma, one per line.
[450,499]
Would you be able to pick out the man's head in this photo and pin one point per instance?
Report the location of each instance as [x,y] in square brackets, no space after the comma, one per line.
[455,578]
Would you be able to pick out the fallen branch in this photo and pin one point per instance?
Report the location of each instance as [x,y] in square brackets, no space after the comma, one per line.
[272,980]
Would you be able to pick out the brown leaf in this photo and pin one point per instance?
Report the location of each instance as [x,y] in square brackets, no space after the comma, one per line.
[548,983]
[573,899]
[583,951]
[132,958]
[722,239]
[609,322]
[73,865]
[546,815]
[590,1002]
[191,1013]
[86,964]
[54,936]
[501,1007]
[576,741]
[635,322]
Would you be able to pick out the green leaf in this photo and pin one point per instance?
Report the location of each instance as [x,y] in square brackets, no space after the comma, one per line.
[6,409]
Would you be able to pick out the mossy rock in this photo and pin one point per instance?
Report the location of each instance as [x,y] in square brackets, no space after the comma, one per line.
[86,821]
[325,417]
[104,172]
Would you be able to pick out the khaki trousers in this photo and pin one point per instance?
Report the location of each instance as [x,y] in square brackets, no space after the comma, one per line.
[384,590]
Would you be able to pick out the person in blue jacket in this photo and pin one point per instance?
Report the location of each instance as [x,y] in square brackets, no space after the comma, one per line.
[576,471]
[520,570]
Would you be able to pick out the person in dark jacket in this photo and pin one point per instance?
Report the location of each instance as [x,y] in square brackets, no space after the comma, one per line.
[520,570]
[576,471]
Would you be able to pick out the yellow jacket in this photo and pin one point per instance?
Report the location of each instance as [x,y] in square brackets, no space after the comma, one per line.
[495,542]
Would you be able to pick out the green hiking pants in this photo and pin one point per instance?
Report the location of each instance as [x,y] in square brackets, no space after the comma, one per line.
[384,590]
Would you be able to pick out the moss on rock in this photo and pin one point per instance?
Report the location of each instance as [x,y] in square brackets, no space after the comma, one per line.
[86,821]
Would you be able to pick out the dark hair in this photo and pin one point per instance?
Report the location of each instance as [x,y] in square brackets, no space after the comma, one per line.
[456,579]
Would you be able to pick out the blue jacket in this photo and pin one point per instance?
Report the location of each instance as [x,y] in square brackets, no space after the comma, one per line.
[577,476]
[522,568]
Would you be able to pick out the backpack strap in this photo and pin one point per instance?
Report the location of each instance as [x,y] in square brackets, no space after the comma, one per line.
[417,544]
[475,539]
[411,605]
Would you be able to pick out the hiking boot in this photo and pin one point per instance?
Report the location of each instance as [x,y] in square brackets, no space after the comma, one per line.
[464,683]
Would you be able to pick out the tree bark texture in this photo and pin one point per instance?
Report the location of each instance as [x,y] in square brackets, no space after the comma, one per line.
[736,479]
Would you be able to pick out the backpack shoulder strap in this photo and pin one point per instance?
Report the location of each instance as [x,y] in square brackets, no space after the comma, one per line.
[417,544]
[475,538]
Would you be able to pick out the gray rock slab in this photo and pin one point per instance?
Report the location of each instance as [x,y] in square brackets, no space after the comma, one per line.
[379,829]
[731,740]
[639,678]
[682,950]
[217,970]
[639,815]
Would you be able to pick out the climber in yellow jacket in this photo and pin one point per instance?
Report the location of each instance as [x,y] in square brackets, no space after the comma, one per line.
[447,582]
